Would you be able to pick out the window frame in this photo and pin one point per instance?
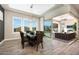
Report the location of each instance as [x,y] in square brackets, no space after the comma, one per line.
[22,23]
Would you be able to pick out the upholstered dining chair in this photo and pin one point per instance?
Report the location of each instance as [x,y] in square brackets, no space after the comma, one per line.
[23,39]
[39,39]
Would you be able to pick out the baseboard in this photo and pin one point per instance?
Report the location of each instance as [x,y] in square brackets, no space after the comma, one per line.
[2,42]
[8,40]
[11,39]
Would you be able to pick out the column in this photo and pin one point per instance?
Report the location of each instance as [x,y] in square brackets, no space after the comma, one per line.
[42,24]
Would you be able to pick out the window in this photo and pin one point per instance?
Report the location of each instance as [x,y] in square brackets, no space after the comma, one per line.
[29,25]
[47,27]
[1,15]
[16,24]
[33,23]
[24,24]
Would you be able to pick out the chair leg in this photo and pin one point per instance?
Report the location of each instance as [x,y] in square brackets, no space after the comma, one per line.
[37,47]
[42,44]
[23,45]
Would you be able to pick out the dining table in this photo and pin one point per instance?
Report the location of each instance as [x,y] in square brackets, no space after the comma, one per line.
[31,38]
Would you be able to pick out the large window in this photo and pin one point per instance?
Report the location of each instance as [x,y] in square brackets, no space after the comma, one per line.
[16,24]
[24,24]
[33,24]
[29,25]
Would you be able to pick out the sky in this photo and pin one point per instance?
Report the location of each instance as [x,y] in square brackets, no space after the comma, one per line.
[17,23]
[47,23]
[26,22]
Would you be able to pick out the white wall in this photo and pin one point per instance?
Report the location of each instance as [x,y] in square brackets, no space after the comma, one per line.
[8,24]
[76,14]
[78,29]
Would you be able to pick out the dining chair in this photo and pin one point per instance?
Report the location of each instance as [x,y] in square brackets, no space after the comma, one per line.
[39,39]
[23,39]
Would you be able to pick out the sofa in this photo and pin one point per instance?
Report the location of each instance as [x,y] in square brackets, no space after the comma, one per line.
[65,36]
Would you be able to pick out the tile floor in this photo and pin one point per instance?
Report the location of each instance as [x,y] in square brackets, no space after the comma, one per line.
[52,46]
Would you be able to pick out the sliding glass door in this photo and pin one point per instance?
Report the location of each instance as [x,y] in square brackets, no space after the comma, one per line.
[47,27]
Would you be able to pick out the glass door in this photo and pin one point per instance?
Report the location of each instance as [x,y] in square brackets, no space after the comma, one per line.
[47,27]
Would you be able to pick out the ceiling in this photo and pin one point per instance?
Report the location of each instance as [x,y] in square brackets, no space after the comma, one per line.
[75,6]
[64,17]
[37,9]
